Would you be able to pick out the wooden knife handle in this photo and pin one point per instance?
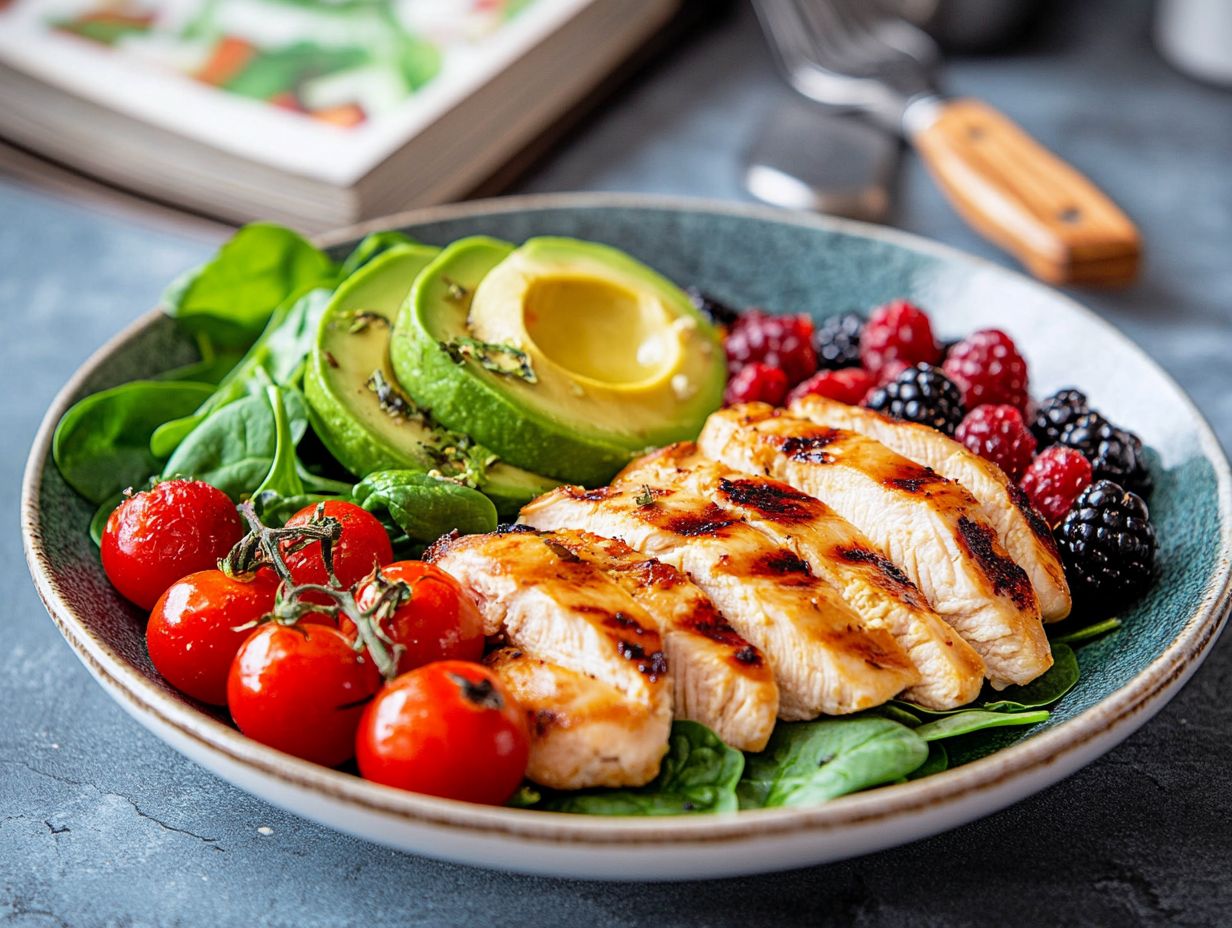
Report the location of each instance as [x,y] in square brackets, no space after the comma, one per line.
[1019,195]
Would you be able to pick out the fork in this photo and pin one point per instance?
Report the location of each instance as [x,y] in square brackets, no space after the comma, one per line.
[855,56]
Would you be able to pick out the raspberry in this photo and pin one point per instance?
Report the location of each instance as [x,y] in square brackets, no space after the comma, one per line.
[987,367]
[1055,413]
[998,434]
[897,331]
[837,341]
[850,386]
[716,311]
[785,342]
[757,383]
[920,394]
[1107,544]
[1055,479]
[1115,454]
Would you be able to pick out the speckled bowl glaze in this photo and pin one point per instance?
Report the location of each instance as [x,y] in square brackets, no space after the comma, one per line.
[785,262]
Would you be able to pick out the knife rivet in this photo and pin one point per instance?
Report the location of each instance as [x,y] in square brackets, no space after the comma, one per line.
[1071,215]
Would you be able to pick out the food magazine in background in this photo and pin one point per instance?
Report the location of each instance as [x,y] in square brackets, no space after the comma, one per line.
[310,112]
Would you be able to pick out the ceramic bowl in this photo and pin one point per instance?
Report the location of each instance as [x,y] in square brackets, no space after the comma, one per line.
[748,256]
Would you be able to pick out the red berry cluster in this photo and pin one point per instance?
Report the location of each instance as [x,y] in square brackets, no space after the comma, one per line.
[775,359]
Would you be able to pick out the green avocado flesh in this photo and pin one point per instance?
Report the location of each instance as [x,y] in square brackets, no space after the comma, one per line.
[565,357]
[358,407]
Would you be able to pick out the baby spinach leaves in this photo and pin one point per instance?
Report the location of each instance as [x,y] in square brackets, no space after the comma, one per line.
[102,444]
[971,720]
[1087,633]
[232,295]
[425,507]
[1059,679]
[278,355]
[699,774]
[371,247]
[1043,691]
[234,448]
[807,763]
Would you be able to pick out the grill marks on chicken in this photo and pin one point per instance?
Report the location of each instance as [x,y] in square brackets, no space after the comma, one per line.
[1020,529]
[823,658]
[584,732]
[818,540]
[548,602]
[930,527]
[718,678]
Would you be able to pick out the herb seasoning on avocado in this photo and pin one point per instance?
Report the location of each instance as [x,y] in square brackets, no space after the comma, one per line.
[499,359]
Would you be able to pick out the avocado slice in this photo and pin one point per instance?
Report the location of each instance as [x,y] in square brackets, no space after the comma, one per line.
[565,357]
[367,422]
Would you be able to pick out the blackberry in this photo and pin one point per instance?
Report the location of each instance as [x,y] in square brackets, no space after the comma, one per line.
[1055,413]
[1107,544]
[837,341]
[921,394]
[716,311]
[1115,454]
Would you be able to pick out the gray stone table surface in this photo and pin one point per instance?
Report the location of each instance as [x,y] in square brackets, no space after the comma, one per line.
[101,824]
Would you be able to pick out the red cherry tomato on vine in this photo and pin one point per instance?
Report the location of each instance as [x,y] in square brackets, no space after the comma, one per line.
[364,544]
[448,729]
[158,536]
[301,689]
[439,621]
[198,625]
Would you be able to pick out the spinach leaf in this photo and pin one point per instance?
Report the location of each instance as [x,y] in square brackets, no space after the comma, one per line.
[278,355]
[527,797]
[232,295]
[1078,636]
[938,762]
[699,774]
[234,448]
[99,522]
[1043,690]
[283,478]
[214,365]
[102,444]
[425,507]
[372,246]
[808,763]
[963,723]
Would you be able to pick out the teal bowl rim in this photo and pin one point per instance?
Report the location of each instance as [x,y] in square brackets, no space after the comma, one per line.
[1006,776]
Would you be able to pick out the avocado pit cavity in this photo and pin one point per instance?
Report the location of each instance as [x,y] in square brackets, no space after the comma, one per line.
[598,331]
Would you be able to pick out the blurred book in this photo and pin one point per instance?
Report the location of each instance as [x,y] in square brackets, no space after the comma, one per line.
[316,113]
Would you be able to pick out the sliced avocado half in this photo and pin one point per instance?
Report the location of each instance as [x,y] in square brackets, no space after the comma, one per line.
[357,406]
[565,357]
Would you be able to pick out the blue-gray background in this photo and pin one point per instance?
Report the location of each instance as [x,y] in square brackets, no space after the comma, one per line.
[100,824]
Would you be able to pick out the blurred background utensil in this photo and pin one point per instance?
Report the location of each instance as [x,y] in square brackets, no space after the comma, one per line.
[804,157]
[855,56]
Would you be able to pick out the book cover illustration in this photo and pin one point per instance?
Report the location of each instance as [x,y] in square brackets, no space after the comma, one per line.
[324,87]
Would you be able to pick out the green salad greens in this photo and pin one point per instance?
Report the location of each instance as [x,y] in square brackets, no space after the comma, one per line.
[238,418]
[293,364]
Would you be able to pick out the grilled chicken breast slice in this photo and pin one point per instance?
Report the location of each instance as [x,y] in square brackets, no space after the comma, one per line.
[584,732]
[718,678]
[951,673]
[1021,530]
[929,526]
[549,602]
[823,659]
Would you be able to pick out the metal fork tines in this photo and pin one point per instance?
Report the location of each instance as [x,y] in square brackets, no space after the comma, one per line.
[851,54]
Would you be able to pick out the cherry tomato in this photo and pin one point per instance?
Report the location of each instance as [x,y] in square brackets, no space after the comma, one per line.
[439,622]
[301,689]
[448,729]
[192,636]
[158,536]
[363,545]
